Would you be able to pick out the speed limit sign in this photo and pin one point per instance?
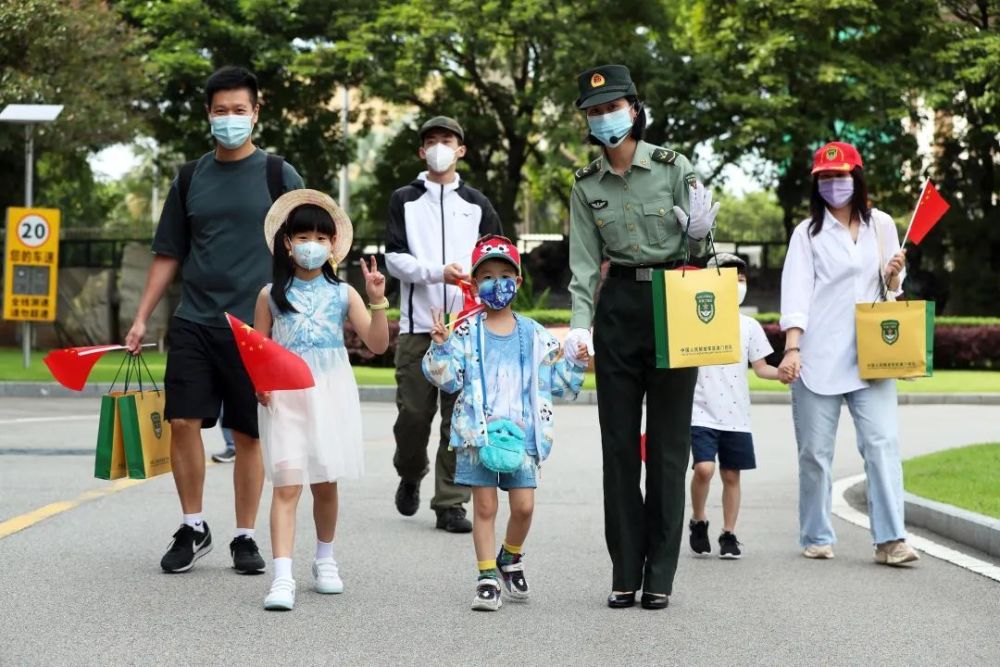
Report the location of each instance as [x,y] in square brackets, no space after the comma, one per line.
[33,230]
[31,264]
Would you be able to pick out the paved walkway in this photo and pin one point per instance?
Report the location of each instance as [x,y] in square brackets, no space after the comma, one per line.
[84,586]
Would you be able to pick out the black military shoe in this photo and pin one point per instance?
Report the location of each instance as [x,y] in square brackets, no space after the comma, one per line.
[453,520]
[408,497]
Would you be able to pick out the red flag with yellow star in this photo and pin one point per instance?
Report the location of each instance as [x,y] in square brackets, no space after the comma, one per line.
[270,366]
[929,210]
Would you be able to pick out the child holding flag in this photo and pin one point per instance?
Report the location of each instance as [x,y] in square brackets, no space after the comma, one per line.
[313,436]
[505,368]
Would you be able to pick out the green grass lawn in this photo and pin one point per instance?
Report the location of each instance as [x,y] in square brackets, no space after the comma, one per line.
[942,382]
[967,477]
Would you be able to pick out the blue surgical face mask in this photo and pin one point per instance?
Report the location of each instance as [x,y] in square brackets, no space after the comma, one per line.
[836,192]
[232,131]
[613,128]
[497,293]
[310,254]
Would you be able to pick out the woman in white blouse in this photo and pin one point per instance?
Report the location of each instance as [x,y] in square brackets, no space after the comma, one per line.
[845,253]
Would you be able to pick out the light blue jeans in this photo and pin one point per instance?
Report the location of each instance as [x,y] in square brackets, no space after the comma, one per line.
[876,425]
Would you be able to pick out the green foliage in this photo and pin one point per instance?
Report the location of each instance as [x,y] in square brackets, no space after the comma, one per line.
[754,217]
[526,299]
[82,56]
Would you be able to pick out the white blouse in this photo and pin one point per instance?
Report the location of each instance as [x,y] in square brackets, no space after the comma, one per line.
[824,276]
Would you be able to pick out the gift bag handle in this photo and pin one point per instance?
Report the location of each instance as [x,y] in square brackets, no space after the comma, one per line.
[884,294]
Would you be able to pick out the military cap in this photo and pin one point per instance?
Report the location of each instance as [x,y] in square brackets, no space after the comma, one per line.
[442,123]
[724,259]
[604,84]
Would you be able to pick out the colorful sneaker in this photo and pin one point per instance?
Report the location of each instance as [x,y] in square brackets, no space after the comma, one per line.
[281,597]
[487,595]
[896,552]
[511,568]
[700,544]
[818,551]
[188,546]
[729,546]
[327,576]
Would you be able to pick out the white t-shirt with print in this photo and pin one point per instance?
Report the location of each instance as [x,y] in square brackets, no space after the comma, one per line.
[722,395]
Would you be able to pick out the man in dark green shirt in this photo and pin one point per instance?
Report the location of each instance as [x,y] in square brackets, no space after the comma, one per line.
[212,230]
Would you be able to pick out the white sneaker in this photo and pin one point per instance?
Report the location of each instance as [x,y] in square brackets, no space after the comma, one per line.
[487,595]
[282,595]
[818,551]
[327,576]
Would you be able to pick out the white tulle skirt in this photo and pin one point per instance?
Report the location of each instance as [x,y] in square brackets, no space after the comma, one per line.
[309,436]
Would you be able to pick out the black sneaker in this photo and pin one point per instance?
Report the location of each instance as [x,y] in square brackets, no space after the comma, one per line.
[227,456]
[246,555]
[512,573]
[188,546]
[729,546]
[453,520]
[700,543]
[408,497]
[487,595]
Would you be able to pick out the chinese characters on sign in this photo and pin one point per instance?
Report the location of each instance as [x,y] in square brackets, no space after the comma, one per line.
[31,264]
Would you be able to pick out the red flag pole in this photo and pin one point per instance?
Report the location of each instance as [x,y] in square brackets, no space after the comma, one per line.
[913,217]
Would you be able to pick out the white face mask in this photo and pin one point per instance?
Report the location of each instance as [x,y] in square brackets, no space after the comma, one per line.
[741,292]
[440,158]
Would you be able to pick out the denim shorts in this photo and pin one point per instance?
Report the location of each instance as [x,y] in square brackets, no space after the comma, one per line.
[734,448]
[469,471]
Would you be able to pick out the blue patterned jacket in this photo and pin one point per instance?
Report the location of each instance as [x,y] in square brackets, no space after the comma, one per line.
[453,366]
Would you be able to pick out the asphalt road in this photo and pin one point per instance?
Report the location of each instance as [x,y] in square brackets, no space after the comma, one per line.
[84,587]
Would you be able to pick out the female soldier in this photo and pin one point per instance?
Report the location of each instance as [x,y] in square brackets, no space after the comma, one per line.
[630,206]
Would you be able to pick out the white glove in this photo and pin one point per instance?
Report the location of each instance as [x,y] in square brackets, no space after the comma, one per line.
[573,340]
[703,213]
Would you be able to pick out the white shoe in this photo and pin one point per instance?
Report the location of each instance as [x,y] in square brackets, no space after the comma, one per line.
[818,551]
[327,576]
[487,595]
[282,595]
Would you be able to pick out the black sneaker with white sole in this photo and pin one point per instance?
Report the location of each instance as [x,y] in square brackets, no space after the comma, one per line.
[487,595]
[246,555]
[729,546]
[512,575]
[188,546]
[699,541]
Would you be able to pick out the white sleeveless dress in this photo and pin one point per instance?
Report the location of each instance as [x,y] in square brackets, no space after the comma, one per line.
[313,435]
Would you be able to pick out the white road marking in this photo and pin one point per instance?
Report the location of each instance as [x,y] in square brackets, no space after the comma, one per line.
[36,420]
[842,509]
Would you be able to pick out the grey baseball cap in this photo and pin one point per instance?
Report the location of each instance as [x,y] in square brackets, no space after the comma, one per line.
[723,259]
[442,123]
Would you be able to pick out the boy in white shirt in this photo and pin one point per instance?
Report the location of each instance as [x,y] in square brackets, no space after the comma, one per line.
[720,425]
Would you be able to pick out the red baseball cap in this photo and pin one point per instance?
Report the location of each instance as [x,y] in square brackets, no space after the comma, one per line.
[836,156]
[495,246]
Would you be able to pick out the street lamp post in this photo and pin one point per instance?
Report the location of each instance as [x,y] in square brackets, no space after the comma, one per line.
[29,115]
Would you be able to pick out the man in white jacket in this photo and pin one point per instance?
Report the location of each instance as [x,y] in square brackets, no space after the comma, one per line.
[433,225]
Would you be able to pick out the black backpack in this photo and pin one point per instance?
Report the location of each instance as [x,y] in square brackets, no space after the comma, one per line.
[275,181]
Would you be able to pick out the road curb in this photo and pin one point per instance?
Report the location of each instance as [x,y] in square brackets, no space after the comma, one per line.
[969,528]
[387,394]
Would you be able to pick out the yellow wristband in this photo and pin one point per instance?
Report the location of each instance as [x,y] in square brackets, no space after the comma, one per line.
[380,306]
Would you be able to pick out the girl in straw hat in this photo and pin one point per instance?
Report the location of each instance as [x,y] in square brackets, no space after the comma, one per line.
[313,436]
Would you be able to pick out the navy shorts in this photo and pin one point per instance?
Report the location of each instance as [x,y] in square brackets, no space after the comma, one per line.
[734,448]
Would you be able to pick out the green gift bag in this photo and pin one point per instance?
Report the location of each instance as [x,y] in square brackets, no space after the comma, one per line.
[109,461]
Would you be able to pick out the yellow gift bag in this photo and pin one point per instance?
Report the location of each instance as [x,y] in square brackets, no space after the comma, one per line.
[895,339]
[145,432]
[696,317]
[109,460]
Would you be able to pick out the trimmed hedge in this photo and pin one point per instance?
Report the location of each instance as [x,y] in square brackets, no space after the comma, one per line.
[959,342]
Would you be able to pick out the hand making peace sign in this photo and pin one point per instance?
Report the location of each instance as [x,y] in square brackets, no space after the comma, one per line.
[374,281]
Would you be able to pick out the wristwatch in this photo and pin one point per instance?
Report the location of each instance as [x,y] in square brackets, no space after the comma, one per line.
[380,306]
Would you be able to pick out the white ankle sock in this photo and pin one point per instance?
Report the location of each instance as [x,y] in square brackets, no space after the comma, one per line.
[196,521]
[282,568]
[249,532]
[324,550]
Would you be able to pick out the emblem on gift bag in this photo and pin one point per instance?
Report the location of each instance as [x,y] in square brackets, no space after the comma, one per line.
[706,306]
[157,424]
[890,331]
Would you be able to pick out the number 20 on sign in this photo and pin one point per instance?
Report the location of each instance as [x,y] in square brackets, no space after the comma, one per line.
[31,264]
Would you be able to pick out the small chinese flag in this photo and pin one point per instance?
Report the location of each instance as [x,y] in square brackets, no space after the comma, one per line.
[470,305]
[71,366]
[929,210]
[270,366]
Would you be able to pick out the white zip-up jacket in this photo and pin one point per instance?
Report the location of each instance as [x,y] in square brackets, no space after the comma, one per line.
[430,226]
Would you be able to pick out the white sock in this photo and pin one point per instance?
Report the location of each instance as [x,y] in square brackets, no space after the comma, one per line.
[282,568]
[324,550]
[196,521]
[249,532]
